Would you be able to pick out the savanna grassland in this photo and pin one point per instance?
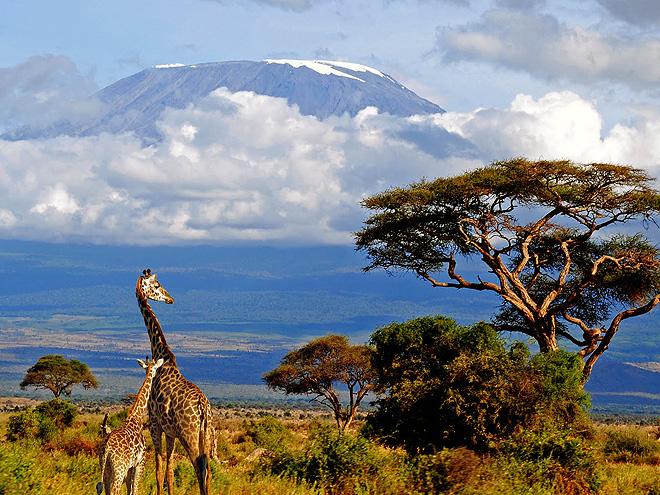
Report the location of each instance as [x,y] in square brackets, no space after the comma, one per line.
[300,452]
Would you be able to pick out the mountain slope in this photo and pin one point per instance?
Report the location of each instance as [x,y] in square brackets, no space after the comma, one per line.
[319,88]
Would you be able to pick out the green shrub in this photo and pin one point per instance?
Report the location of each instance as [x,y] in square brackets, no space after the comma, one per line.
[553,456]
[48,429]
[444,385]
[561,393]
[444,470]
[61,413]
[631,445]
[341,463]
[115,420]
[43,422]
[268,433]
[23,425]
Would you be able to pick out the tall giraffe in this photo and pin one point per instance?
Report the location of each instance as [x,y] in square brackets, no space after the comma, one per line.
[177,407]
[122,454]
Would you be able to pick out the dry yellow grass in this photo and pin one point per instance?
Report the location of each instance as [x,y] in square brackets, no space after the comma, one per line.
[68,465]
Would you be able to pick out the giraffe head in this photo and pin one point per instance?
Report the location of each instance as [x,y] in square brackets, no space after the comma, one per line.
[152,289]
[150,366]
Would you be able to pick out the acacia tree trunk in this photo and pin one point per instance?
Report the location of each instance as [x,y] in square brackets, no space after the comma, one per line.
[56,391]
[546,336]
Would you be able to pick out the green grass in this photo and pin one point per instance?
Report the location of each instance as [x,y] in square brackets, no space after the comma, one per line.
[67,464]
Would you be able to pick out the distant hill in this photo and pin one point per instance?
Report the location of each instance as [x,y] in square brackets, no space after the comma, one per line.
[240,309]
[319,88]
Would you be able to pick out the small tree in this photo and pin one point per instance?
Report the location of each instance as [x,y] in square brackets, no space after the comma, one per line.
[57,374]
[318,366]
[536,228]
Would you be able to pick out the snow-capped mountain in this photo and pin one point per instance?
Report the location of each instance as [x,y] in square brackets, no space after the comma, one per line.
[321,88]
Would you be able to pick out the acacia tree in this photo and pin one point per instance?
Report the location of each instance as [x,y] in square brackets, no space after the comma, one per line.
[318,366]
[537,229]
[58,374]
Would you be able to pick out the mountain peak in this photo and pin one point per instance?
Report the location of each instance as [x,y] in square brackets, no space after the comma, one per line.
[321,88]
[329,67]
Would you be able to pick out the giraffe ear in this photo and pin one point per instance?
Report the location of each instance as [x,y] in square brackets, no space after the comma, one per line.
[159,363]
[142,363]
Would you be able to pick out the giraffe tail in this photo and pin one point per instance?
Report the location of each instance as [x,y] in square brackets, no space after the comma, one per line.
[202,470]
[205,449]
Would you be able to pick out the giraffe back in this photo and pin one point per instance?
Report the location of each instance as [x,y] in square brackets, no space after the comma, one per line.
[181,410]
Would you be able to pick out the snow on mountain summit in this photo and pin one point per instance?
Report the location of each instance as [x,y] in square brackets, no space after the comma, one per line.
[321,88]
[316,66]
[328,67]
[170,66]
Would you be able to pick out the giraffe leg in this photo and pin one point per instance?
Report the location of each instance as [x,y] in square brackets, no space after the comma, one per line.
[116,487]
[139,472]
[169,471]
[130,480]
[134,477]
[107,477]
[157,439]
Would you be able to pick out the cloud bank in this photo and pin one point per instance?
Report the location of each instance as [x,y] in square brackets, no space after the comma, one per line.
[541,45]
[45,89]
[636,12]
[241,167]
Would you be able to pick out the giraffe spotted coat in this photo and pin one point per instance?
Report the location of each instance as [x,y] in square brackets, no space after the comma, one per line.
[178,409]
[122,454]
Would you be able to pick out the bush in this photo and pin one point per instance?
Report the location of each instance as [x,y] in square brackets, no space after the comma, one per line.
[438,473]
[23,425]
[341,463]
[561,392]
[43,422]
[444,385]
[631,445]
[115,420]
[268,433]
[61,413]
[47,429]
[553,456]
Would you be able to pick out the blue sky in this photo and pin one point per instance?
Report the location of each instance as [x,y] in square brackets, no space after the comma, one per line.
[540,78]
[111,40]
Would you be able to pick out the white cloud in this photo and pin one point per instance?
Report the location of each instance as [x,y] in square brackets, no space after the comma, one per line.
[7,219]
[520,4]
[557,125]
[245,167]
[57,199]
[45,89]
[545,47]
[639,12]
[233,167]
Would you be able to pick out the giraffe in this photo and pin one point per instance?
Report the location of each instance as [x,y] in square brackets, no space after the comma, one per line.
[122,454]
[177,407]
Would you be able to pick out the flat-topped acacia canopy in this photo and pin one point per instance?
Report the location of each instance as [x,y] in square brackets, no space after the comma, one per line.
[544,232]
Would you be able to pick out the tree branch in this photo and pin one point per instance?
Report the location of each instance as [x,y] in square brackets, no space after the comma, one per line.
[613,329]
[561,282]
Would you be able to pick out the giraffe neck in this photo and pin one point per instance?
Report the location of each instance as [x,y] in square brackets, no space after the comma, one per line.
[139,408]
[159,347]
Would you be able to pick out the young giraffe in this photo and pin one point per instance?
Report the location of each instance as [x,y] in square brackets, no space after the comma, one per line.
[177,407]
[122,455]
